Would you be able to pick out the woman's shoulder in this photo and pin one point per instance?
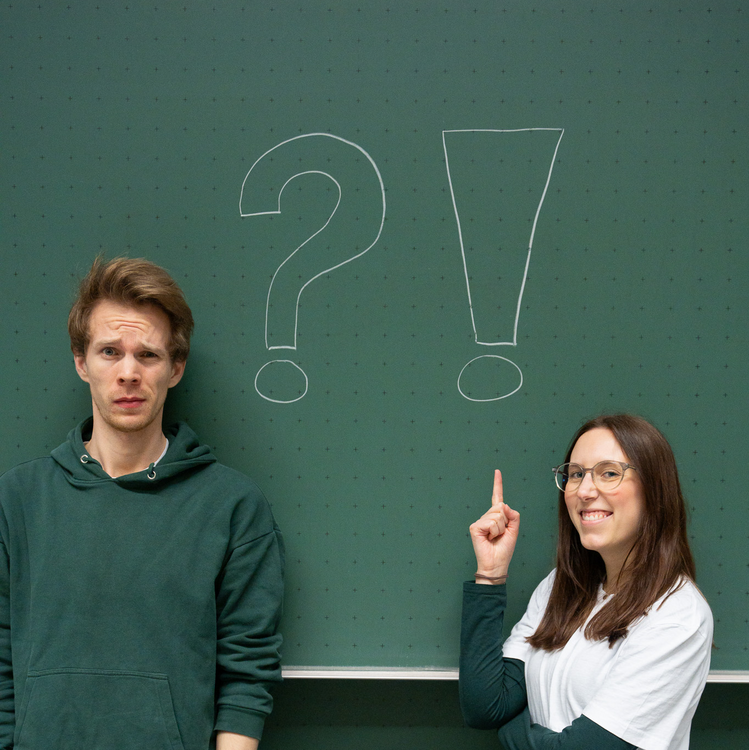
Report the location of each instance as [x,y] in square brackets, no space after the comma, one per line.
[683,605]
[542,592]
[548,582]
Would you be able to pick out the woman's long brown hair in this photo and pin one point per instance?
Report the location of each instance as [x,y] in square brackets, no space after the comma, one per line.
[659,561]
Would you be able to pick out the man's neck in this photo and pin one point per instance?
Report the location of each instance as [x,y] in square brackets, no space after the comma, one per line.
[121,453]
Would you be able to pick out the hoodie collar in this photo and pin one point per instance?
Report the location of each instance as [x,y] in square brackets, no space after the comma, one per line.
[185,453]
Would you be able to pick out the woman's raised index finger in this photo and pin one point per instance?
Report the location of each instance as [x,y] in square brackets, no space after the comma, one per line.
[497,496]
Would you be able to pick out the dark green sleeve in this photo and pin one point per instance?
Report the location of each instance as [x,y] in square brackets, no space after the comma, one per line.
[249,599]
[7,707]
[492,688]
[582,734]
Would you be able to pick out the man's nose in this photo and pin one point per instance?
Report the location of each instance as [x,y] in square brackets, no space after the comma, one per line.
[129,370]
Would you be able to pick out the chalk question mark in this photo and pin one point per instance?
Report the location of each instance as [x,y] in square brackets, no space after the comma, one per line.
[353,227]
[495,177]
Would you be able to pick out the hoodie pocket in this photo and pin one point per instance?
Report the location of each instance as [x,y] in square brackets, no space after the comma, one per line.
[70,709]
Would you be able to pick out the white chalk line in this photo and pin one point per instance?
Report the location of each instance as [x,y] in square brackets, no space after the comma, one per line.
[533,229]
[494,398]
[321,273]
[527,260]
[282,401]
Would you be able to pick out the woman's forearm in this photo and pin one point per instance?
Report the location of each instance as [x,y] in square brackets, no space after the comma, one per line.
[492,688]
[582,734]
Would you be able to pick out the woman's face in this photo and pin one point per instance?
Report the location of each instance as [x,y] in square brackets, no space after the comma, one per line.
[607,522]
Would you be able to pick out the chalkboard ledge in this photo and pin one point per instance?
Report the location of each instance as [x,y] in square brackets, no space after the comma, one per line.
[398,673]
[728,675]
[368,673]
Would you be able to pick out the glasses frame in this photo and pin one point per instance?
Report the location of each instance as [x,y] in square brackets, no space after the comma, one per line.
[623,464]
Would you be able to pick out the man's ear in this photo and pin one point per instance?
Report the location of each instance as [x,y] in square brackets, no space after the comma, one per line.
[80,366]
[178,370]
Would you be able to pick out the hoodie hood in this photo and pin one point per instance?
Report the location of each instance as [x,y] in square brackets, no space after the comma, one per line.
[185,453]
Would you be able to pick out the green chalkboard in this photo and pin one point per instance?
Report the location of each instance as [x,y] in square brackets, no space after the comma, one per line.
[421,240]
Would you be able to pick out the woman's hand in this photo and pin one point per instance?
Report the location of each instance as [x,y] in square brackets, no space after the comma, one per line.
[494,535]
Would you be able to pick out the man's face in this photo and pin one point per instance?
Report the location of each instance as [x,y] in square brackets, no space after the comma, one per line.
[127,365]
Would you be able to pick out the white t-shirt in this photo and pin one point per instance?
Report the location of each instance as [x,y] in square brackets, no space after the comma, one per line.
[644,689]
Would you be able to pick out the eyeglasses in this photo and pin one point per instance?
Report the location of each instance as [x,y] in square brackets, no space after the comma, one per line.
[607,475]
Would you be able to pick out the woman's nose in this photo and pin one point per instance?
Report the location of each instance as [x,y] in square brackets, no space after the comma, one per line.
[587,488]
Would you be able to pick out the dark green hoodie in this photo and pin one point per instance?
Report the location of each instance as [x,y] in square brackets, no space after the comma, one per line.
[136,612]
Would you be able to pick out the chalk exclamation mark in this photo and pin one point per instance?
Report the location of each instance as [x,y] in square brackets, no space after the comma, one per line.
[498,181]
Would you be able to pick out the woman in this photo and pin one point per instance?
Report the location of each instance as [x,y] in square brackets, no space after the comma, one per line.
[614,649]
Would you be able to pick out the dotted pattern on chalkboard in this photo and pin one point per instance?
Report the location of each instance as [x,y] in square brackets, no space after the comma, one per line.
[129,127]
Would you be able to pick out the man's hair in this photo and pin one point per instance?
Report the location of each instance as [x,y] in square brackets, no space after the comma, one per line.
[659,562]
[131,281]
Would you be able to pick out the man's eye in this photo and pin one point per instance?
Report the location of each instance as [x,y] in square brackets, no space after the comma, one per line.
[148,355]
[107,351]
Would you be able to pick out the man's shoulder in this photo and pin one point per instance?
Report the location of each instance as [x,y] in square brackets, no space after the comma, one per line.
[249,509]
[28,470]
[24,481]
[218,471]
[228,484]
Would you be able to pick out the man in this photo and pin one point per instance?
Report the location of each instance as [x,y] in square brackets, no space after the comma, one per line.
[140,580]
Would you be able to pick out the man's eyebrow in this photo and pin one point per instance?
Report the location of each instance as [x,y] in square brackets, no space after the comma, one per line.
[106,342]
[103,343]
